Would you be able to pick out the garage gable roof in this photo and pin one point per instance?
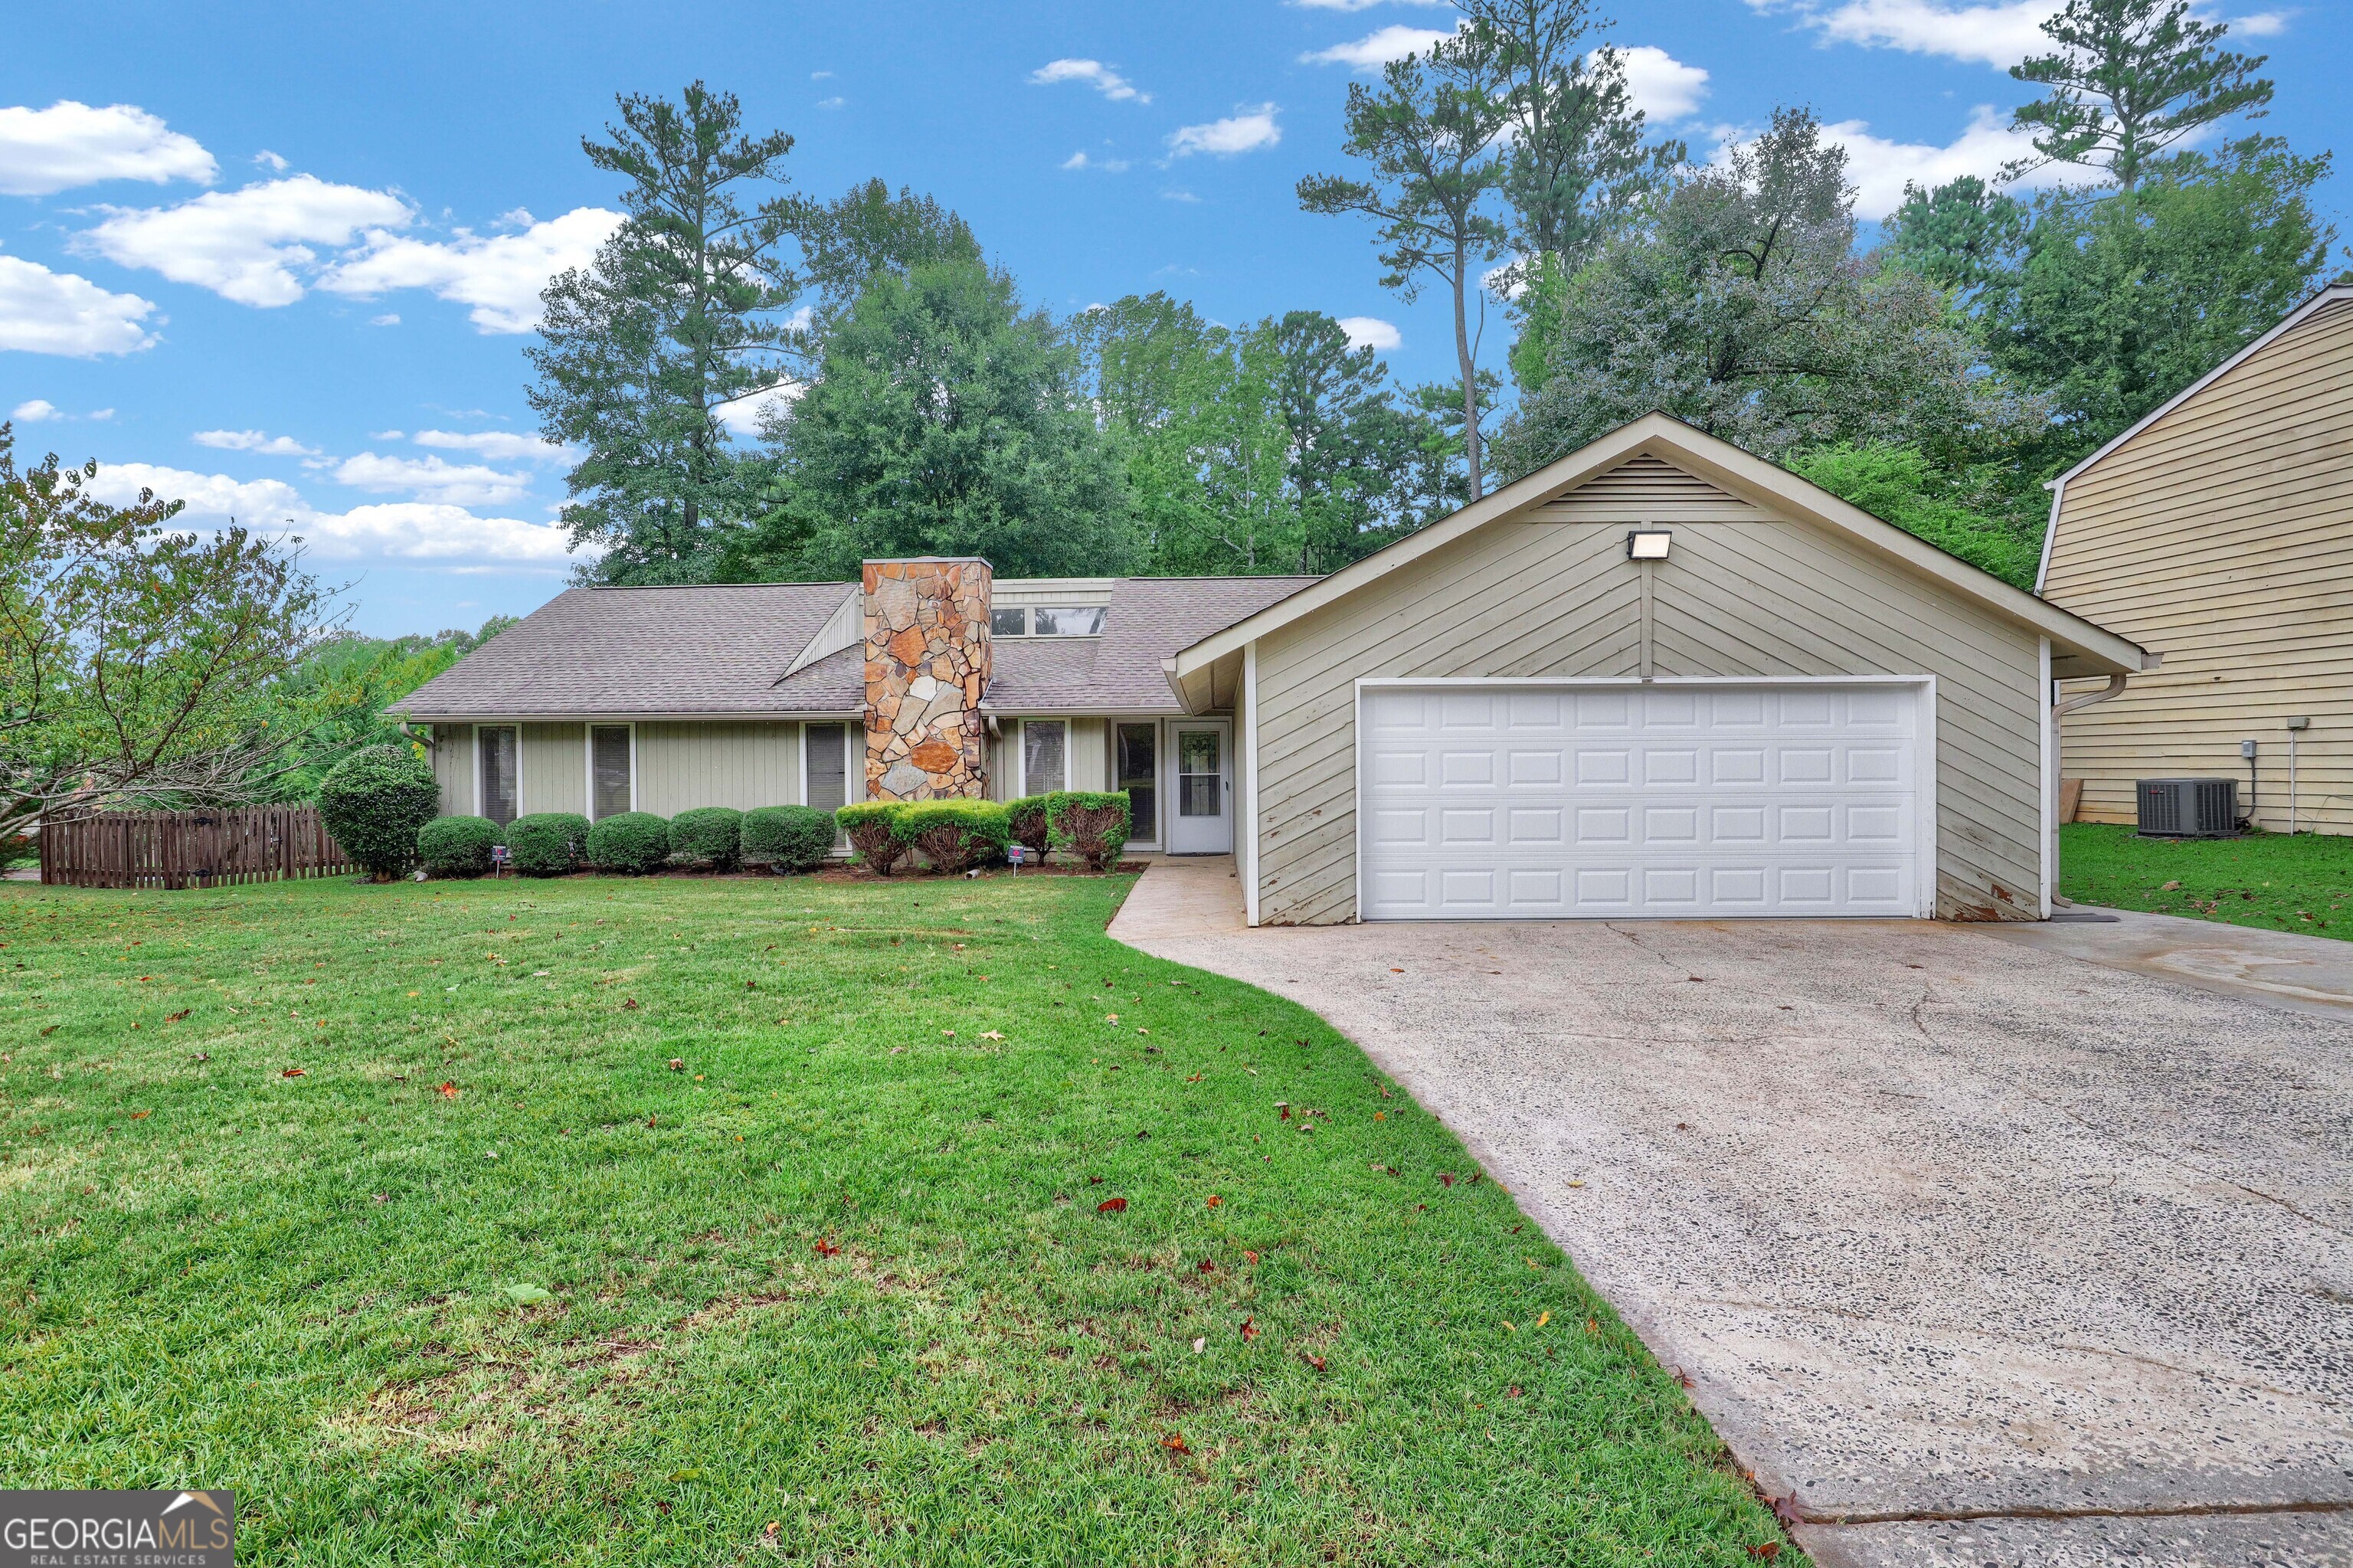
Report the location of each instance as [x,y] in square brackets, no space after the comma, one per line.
[1722,464]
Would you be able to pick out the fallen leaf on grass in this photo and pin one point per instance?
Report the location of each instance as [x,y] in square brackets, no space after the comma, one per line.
[1542,1318]
[992,1034]
[176,1017]
[447,1091]
[1768,1550]
[1201,1345]
[2170,887]
[1215,1200]
[1251,1330]
[1787,1512]
[52,1029]
[1315,1361]
[1174,1442]
[1206,1265]
[826,1246]
[1249,1258]
[140,1116]
[295,1073]
[677,1066]
[1112,1206]
[629,1003]
[1446,1179]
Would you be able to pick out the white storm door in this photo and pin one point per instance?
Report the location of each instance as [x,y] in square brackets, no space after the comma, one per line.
[1665,798]
[1200,818]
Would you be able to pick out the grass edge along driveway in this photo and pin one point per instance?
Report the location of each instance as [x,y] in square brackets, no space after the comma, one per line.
[2302,883]
[688,1221]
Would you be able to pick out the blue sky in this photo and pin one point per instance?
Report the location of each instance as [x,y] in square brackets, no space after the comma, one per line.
[282,259]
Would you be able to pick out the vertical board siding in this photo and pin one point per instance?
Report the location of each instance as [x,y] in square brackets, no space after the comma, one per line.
[556,767]
[682,764]
[453,768]
[1090,757]
[187,849]
[1744,593]
[2221,536]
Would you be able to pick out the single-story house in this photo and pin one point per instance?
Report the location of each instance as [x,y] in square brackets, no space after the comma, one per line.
[2221,526]
[1658,677]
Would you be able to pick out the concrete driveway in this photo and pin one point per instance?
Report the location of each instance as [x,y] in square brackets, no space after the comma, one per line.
[1983,1252]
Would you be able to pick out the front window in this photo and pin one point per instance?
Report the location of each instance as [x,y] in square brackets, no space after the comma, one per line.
[609,770]
[829,767]
[501,771]
[1009,622]
[1138,775]
[1043,755]
[1070,620]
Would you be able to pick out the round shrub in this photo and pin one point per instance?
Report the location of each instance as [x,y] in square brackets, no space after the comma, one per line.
[632,843]
[548,844]
[456,846]
[710,838]
[1090,824]
[787,838]
[375,802]
[955,835]
[1031,823]
[867,823]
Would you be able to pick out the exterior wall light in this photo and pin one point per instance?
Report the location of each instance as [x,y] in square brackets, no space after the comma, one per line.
[1647,544]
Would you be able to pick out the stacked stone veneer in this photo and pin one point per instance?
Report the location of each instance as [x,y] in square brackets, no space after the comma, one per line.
[927,665]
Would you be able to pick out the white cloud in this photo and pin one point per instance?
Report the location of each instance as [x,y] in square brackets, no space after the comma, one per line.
[34,411]
[1241,133]
[744,416]
[432,478]
[390,318]
[266,159]
[1377,48]
[1370,332]
[253,441]
[499,445]
[500,276]
[2262,25]
[404,530]
[1180,195]
[1879,167]
[102,413]
[819,75]
[834,102]
[1663,87]
[1997,35]
[43,312]
[244,245]
[1107,165]
[1094,73]
[69,143]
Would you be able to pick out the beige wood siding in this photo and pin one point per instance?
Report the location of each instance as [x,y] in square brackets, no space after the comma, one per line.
[2223,536]
[1090,755]
[453,768]
[556,767]
[1747,594]
[743,763]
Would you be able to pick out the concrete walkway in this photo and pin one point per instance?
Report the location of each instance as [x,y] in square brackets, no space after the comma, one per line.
[1986,1246]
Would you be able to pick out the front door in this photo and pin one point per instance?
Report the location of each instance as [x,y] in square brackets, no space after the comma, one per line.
[1203,821]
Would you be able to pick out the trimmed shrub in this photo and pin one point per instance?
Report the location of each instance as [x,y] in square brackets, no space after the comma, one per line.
[632,843]
[710,838]
[456,846]
[375,801]
[1088,824]
[955,835]
[867,823]
[548,844]
[1031,824]
[787,838]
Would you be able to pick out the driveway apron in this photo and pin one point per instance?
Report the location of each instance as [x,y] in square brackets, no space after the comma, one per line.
[1978,1252]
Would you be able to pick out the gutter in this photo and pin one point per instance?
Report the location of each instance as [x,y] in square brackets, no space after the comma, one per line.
[2060,710]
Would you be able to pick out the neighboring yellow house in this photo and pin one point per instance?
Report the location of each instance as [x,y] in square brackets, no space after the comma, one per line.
[2221,529]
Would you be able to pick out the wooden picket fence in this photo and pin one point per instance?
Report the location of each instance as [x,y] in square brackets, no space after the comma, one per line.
[187,849]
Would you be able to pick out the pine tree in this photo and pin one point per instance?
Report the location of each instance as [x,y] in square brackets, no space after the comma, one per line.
[2129,79]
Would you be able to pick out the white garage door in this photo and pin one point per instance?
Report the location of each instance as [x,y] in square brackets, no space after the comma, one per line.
[1663,800]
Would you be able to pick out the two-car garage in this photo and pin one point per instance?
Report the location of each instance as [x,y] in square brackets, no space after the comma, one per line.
[1558,799]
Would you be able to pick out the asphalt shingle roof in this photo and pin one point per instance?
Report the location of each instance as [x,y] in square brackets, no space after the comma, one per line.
[723,649]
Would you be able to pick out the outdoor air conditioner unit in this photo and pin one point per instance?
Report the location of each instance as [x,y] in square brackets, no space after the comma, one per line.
[2189,808]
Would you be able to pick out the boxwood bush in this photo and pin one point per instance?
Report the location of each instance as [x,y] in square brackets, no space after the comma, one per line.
[632,843]
[709,838]
[1090,824]
[955,835]
[867,823]
[456,846]
[787,838]
[548,844]
[375,801]
[1031,824]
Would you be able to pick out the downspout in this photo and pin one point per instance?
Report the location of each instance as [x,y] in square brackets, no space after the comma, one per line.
[2059,709]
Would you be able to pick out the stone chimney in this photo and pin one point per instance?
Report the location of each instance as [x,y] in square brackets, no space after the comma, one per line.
[927,666]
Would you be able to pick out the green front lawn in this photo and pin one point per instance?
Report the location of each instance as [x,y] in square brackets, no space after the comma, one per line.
[284,1173]
[2300,884]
